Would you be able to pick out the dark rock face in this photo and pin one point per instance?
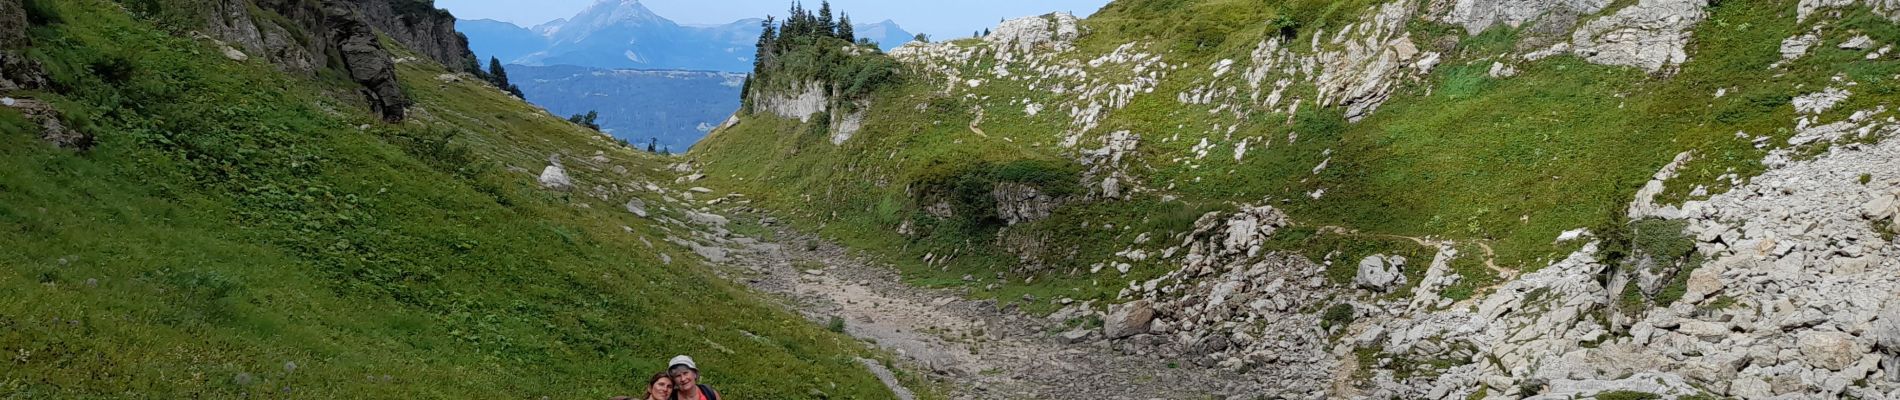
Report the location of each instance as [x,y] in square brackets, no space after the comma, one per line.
[16,70]
[419,26]
[293,48]
[365,60]
[12,24]
[342,34]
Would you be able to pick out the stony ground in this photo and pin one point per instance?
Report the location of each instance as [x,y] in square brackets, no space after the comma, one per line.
[978,350]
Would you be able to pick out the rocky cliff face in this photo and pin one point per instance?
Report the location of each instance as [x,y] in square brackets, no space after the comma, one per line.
[421,28]
[338,34]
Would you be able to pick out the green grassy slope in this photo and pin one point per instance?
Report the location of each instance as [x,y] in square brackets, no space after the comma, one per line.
[1504,162]
[236,234]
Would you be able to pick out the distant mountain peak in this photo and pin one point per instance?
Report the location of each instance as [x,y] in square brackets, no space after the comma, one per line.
[620,11]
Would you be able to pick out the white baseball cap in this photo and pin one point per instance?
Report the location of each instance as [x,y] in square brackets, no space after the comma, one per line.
[682,360]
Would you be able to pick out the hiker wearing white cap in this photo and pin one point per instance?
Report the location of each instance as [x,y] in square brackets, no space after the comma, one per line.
[686,380]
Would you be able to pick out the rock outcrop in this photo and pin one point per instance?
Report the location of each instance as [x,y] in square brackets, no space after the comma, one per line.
[52,129]
[1478,15]
[304,37]
[1380,273]
[807,99]
[366,61]
[1050,33]
[1019,203]
[1652,34]
[13,24]
[17,71]
[421,28]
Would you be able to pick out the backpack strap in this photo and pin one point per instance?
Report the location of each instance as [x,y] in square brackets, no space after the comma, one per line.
[710,393]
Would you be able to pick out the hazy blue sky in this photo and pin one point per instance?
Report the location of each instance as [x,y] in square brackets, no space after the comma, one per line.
[937,17]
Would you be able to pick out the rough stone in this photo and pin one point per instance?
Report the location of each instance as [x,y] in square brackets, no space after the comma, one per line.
[1380,273]
[368,64]
[1052,32]
[13,24]
[52,129]
[1018,203]
[707,219]
[555,175]
[810,98]
[422,28]
[1861,42]
[1651,34]
[1832,350]
[1128,319]
[637,207]
[1477,15]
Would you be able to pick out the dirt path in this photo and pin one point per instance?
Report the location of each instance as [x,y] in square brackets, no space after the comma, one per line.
[980,352]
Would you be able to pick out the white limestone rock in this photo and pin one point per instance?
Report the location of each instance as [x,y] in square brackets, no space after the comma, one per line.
[555,176]
[1651,34]
[810,98]
[1129,319]
[1380,273]
[1056,32]
[1477,15]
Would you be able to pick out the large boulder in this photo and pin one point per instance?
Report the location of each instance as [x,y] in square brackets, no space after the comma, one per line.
[1886,330]
[1380,273]
[17,71]
[809,98]
[1832,350]
[555,176]
[1884,208]
[1128,319]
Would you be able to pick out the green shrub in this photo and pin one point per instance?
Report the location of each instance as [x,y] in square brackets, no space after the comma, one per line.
[1662,239]
[1627,395]
[112,69]
[1338,315]
[970,188]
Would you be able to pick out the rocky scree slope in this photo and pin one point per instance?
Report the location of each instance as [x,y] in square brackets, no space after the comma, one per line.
[184,217]
[1400,199]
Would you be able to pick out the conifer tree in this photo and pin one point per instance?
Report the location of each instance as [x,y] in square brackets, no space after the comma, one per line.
[845,31]
[826,25]
[499,77]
